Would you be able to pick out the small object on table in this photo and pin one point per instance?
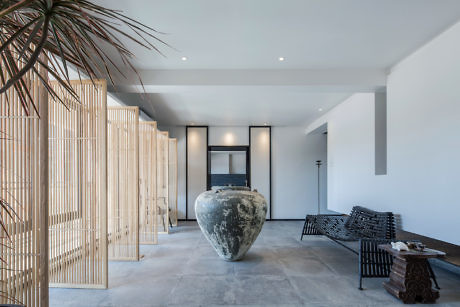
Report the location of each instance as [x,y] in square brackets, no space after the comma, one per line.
[416,245]
[399,246]
[410,278]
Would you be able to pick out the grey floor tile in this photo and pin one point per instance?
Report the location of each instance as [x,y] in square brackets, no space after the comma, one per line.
[279,270]
[203,291]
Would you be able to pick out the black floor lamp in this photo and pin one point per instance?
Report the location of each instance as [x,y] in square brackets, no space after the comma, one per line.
[318,163]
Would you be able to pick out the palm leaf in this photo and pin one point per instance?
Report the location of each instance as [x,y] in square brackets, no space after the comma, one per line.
[67,32]
[73,31]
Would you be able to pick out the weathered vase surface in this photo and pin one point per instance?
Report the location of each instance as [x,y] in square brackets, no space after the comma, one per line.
[231,218]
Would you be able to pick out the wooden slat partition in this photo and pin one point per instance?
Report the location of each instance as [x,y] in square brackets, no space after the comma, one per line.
[123,183]
[148,217]
[172,178]
[162,181]
[78,187]
[20,188]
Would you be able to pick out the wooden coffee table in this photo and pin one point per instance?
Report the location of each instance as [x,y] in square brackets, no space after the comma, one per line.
[410,278]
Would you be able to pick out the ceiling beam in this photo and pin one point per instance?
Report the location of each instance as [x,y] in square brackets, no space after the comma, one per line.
[327,80]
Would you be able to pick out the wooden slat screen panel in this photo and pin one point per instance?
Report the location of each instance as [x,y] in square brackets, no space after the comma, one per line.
[123,183]
[172,178]
[148,220]
[162,181]
[78,187]
[20,188]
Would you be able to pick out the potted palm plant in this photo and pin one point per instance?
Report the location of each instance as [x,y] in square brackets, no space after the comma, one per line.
[46,37]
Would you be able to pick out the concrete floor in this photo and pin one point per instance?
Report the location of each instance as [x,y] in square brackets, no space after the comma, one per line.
[279,270]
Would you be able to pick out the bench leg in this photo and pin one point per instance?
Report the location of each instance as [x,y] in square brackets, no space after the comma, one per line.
[309,227]
[303,230]
[433,277]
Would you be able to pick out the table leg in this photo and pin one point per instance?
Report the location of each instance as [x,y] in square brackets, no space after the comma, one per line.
[410,281]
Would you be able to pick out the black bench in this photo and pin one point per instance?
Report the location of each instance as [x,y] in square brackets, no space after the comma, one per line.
[369,227]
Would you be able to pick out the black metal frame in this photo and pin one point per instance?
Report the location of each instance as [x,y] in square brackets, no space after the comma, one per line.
[228,148]
[270,165]
[186,164]
[371,228]
[373,262]
[207,166]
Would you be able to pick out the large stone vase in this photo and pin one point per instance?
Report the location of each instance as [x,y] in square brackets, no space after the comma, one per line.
[231,218]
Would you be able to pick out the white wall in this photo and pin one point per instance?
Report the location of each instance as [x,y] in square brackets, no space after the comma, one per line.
[260,164]
[228,136]
[350,153]
[237,163]
[220,163]
[423,103]
[294,181]
[423,137]
[294,172]
[197,155]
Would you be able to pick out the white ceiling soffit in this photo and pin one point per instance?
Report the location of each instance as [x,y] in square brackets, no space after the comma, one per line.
[309,34]
[240,106]
[233,76]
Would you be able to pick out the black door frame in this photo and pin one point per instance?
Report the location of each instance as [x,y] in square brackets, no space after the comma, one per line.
[207,166]
[229,148]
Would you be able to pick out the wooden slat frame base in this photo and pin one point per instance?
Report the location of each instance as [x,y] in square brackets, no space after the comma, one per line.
[78,186]
[123,183]
[162,181]
[172,178]
[148,211]
[20,188]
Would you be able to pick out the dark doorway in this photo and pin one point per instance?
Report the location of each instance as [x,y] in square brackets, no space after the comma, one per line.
[228,165]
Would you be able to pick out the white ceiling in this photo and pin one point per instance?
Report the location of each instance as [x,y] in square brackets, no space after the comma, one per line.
[241,34]
[237,106]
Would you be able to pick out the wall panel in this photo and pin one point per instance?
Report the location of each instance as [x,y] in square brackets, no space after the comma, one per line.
[148,220]
[172,178]
[197,166]
[123,183]
[260,159]
[19,188]
[78,187]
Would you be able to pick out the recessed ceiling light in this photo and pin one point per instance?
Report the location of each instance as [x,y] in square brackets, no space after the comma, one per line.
[320,109]
[265,124]
[281,59]
[184,58]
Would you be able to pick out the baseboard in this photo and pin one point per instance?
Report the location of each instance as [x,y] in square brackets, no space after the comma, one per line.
[445,265]
[275,220]
[285,220]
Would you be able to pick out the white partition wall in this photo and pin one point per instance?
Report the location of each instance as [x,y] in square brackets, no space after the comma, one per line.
[260,157]
[196,168]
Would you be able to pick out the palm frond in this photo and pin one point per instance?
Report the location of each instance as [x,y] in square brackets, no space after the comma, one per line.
[75,32]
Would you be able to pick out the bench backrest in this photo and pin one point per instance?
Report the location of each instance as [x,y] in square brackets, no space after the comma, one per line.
[371,224]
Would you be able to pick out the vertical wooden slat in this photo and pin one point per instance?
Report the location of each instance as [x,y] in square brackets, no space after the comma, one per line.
[44,188]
